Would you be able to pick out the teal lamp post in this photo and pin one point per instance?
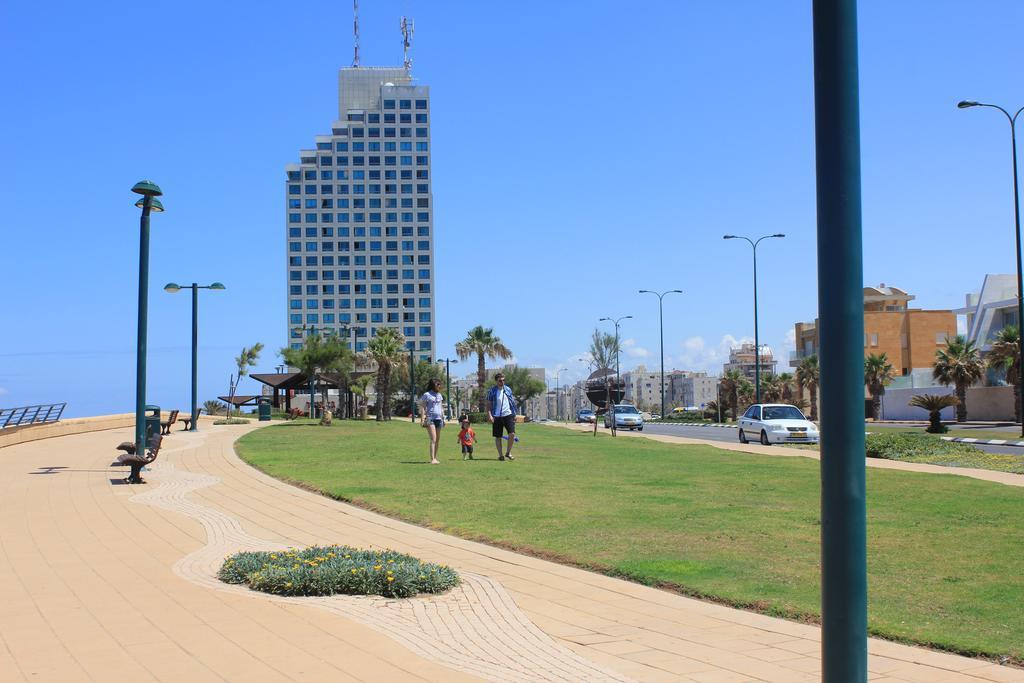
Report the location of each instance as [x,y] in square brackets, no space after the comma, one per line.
[967,104]
[173,288]
[448,381]
[148,203]
[757,342]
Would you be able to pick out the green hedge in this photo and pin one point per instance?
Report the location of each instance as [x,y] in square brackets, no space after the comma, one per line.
[904,446]
[337,569]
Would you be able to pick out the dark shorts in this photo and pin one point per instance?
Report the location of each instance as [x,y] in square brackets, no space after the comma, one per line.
[467,448]
[437,423]
[508,423]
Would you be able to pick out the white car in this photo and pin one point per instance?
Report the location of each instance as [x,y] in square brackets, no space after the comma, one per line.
[626,417]
[776,423]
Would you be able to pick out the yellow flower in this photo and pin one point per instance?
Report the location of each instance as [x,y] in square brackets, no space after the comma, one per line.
[273,557]
[390,561]
[288,585]
[390,579]
[377,566]
[353,571]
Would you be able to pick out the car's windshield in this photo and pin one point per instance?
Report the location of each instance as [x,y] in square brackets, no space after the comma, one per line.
[782,413]
[625,409]
[586,412]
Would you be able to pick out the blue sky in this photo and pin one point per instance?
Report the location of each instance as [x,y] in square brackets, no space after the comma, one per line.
[568,139]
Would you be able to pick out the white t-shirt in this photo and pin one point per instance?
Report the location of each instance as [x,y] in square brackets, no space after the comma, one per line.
[434,403]
[501,406]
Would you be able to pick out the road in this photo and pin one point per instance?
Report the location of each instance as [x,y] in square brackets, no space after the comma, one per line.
[729,434]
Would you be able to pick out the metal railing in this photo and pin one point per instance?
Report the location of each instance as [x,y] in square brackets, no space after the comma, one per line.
[13,417]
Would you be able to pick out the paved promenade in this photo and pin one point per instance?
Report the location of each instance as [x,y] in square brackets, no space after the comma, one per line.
[107,582]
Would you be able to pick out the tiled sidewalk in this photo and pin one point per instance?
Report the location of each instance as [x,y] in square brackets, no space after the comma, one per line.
[102,581]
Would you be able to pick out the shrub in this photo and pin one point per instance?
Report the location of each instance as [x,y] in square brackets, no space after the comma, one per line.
[903,446]
[686,416]
[337,569]
[477,418]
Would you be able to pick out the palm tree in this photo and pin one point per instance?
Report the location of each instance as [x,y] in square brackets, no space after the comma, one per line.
[771,389]
[1005,356]
[934,404]
[745,392]
[877,373]
[245,360]
[359,387]
[318,355]
[730,384]
[386,350]
[786,380]
[959,364]
[808,373]
[603,350]
[482,342]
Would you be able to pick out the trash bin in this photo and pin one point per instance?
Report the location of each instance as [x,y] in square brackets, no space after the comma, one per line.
[152,422]
[264,409]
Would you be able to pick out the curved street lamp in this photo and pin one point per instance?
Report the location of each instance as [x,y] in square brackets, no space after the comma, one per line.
[966,104]
[757,344]
[174,288]
[448,382]
[661,335]
[148,203]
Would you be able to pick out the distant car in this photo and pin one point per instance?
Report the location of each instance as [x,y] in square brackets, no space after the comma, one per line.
[776,423]
[626,417]
[586,415]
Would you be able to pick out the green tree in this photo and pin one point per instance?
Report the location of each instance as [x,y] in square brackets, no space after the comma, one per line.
[730,388]
[245,360]
[959,364]
[934,404]
[603,350]
[786,382]
[524,388]
[482,343]
[318,355]
[360,387]
[1005,356]
[746,393]
[213,407]
[808,374]
[386,350]
[877,374]
[771,389]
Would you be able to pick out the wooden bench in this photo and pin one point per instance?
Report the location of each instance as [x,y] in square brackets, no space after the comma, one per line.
[165,425]
[137,461]
[186,419]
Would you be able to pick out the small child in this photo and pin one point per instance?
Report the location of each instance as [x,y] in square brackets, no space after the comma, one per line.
[466,438]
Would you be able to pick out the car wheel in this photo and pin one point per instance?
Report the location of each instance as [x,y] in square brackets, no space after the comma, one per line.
[639,429]
[764,439]
[743,437]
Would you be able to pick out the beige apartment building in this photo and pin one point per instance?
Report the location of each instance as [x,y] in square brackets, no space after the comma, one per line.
[909,337]
[743,358]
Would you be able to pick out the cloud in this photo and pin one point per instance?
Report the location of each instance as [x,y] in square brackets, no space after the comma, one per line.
[3,391]
[696,354]
[630,348]
[789,343]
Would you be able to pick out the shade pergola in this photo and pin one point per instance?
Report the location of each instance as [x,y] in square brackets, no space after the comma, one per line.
[239,400]
[298,382]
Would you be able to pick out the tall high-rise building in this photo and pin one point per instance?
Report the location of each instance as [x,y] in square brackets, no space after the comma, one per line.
[359,217]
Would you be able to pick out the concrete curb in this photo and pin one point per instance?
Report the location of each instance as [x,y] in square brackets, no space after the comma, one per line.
[691,424]
[983,442]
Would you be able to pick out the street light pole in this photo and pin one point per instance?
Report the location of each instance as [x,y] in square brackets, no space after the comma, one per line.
[558,408]
[448,382]
[149,203]
[616,321]
[173,288]
[661,334]
[757,342]
[412,386]
[1016,216]
[844,651]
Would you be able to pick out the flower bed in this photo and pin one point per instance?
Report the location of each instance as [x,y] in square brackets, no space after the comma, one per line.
[902,446]
[337,569]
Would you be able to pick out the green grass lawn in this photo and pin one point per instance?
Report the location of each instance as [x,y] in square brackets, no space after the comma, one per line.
[944,553]
[967,433]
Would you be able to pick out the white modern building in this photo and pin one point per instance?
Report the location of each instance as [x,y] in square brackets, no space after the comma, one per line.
[359,229]
[991,309]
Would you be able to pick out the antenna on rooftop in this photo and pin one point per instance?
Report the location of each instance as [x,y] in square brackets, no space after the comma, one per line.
[355,28]
[408,28]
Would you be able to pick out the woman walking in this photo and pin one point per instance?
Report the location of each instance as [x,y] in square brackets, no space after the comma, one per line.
[432,415]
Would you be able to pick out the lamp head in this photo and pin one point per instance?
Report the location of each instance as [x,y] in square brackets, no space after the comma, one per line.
[966,104]
[601,320]
[218,285]
[647,291]
[626,316]
[154,205]
[147,188]
[728,237]
[778,234]
[172,287]
[676,291]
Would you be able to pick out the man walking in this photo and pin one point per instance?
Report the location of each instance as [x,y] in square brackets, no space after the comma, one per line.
[501,413]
